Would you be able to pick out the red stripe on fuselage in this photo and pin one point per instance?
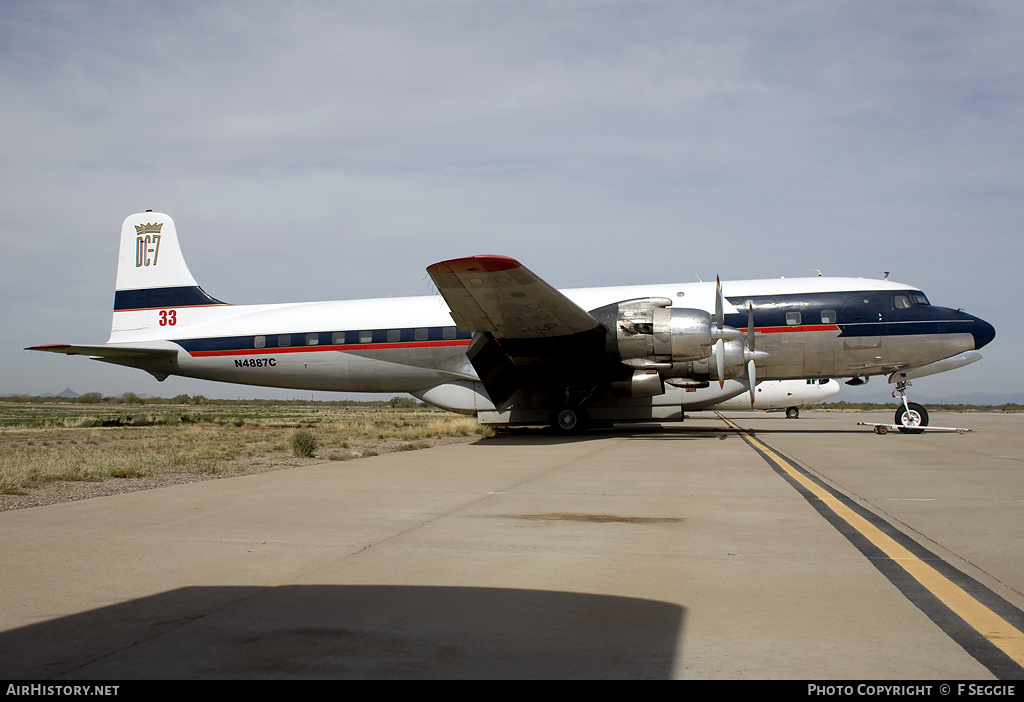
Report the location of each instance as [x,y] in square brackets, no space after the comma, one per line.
[795,328]
[443,344]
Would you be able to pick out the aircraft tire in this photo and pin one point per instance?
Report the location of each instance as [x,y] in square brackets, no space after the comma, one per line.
[916,418]
[792,412]
[569,420]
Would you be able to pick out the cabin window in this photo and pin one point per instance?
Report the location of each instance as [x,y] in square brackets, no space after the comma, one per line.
[394,334]
[828,316]
[792,318]
[338,338]
[312,339]
[448,333]
[284,339]
[420,334]
[259,342]
[365,337]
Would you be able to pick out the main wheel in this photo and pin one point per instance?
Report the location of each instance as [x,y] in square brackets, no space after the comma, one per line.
[792,412]
[912,418]
[569,420]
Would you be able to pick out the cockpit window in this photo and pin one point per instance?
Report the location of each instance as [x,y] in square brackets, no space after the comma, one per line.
[906,300]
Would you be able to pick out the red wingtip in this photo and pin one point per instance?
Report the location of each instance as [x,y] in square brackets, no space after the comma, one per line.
[475,264]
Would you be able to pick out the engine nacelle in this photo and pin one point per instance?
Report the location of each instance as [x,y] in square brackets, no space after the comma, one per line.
[648,333]
[640,384]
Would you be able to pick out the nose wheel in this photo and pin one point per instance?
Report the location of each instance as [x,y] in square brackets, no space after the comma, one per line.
[911,418]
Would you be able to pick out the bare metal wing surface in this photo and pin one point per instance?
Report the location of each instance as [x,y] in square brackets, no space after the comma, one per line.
[499,295]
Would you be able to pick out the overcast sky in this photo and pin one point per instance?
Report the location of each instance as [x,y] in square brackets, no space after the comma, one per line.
[333,150]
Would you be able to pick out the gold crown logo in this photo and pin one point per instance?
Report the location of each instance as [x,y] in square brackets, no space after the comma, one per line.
[148,228]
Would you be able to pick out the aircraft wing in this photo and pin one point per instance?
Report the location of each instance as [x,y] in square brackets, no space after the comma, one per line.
[105,352]
[499,295]
[526,333]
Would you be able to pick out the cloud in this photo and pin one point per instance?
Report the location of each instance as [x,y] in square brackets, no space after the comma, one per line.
[314,151]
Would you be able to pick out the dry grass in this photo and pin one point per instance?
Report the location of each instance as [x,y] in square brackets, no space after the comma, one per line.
[44,447]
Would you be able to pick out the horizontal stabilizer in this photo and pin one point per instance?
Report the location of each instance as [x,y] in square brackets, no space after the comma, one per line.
[107,352]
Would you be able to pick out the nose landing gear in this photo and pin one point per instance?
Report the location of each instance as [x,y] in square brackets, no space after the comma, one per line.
[911,418]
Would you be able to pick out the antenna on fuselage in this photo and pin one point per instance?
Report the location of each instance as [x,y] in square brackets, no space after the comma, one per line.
[886,275]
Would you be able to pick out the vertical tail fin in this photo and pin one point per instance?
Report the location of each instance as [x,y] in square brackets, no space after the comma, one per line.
[154,287]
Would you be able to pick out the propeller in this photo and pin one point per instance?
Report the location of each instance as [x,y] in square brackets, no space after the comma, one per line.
[751,368]
[719,325]
[723,333]
[719,304]
[750,353]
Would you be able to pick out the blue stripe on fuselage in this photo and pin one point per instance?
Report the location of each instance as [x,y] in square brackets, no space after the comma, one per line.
[859,313]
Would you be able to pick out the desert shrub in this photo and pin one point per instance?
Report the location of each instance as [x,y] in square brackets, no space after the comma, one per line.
[303,444]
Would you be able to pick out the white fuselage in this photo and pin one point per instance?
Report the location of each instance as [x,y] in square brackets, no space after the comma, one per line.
[533,344]
[375,345]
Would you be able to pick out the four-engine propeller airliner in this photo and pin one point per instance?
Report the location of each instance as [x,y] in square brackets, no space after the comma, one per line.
[502,344]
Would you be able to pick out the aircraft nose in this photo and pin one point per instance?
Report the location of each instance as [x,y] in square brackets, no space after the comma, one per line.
[983,332]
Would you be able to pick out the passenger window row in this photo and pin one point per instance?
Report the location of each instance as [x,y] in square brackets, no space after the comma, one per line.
[352,337]
[795,318]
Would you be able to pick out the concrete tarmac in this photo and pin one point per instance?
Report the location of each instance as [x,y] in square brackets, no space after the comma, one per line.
[679,551]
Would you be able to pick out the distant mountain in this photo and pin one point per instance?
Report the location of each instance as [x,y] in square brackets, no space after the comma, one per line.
[885,396]
[976,398]
[66,392]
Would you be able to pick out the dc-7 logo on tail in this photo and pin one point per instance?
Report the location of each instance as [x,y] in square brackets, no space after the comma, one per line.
[147,243]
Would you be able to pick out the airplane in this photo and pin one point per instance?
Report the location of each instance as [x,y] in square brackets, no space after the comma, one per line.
[500,343]
[788,395]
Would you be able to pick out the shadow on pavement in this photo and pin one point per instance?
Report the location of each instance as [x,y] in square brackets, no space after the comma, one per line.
[351,631]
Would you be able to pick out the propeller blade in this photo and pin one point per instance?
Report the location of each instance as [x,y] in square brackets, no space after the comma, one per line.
[752,379]
[751,368]
[719,304]
[750,326]
[720,361]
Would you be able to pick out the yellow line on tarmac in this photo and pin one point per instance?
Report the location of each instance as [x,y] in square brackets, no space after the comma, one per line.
[997,630]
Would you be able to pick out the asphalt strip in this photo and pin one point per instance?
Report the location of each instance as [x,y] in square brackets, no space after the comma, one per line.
[985,625]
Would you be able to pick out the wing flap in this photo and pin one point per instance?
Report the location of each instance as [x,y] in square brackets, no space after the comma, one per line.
[499,295]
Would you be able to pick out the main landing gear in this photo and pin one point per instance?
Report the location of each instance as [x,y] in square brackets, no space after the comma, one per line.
[569,420]
[569,416]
